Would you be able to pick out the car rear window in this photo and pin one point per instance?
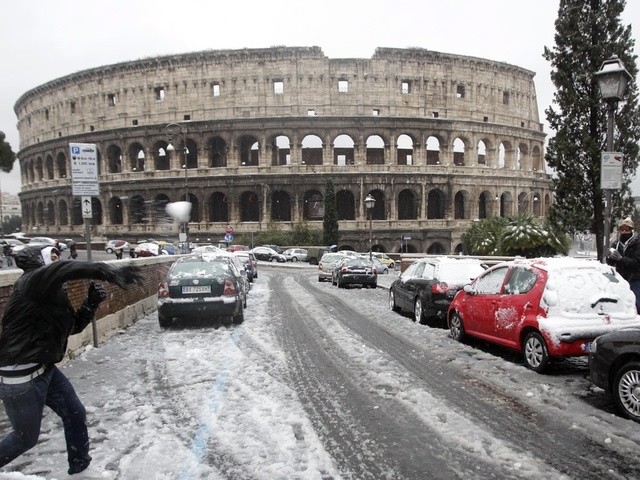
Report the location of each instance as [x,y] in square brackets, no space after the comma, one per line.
[200,269]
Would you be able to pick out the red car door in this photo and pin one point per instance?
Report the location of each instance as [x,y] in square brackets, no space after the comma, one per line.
[483,301]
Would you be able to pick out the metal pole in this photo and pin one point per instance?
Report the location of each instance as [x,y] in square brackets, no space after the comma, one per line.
[186,188]
[607,212]
[370,228]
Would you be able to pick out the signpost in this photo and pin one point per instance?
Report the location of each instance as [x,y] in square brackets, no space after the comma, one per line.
[84,182]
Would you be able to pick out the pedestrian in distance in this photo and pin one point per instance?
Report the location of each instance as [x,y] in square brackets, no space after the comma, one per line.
[73,249]
[37,322]
[625,255]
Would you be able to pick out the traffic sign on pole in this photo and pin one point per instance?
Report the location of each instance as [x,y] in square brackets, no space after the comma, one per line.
[84,169]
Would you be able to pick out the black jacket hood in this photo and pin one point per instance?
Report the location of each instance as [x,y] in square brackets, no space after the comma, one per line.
[29,258]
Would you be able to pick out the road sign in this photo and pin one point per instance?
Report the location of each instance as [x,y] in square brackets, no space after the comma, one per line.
[406,238]
[228,229]
[87,211]
[228,238]
[84,169]
[611,170]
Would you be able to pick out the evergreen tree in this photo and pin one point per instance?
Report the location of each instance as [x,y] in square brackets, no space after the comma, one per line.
[330,219]
[588,32]
[7,157]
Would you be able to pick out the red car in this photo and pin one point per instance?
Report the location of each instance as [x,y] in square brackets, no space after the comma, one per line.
[545,308]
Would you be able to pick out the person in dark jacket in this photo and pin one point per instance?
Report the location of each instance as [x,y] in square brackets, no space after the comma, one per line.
[625,255]
[37,322]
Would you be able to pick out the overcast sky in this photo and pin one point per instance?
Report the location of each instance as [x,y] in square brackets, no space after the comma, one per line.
[41,40]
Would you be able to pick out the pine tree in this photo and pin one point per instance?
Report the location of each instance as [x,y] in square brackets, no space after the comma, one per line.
[7,157]
[588,32]
[330,219]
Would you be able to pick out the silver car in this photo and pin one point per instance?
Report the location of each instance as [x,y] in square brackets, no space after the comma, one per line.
[295,254]
[326,265]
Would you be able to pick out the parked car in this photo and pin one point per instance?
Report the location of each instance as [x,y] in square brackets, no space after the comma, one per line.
[111,246]
[326,265]
[147,249]
[295,254]
[427,287]
[545,308]
[15,244]
[273,247]
[385,259]
[381,268]
[238,248]
[614,365]
[201,286]
[355,271]
[314,254]
[267,254]
[47,242]
[250,263]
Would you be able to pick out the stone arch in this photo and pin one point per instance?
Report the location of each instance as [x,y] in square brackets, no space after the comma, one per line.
[343,150]
[312,149]
[96,211]
[161,158]
[50,217]
[49,167]
[313,205]
[380,208]
[407,205]
[436,203]
[249,207]
[136,163]
[346,205]
[281,206]
[482,153]
[159,209]
[536,160]
[114,159]
[137,210]
[218,207]
[63,214]
[39,170]
[436,248]
[459,148]
[249,150]
[195,206]
[461,205]
[404,149]
[115,207]
[375,150]
[76,212]
[61,165]
[485,203]
[280,150]
[217,152]
[433,150]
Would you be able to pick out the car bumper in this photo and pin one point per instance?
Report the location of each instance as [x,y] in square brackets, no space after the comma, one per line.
[599,371]
[221,306]
[358,279]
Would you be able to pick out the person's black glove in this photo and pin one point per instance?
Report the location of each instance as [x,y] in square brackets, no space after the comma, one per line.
[614,256]
[128,275]
[96,295]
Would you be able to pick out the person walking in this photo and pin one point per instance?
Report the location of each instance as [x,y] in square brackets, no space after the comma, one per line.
[37,322]
[625,255]
[73,249]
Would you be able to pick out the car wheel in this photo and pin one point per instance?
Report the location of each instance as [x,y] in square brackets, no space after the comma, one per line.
[457,328]
[536,354]
[109,251]
[418,313]
[165,322]
[274,260]
[392,302]
[626,390]
[294,259]
[239,318]
[319,279]
[339,283]
[374,285]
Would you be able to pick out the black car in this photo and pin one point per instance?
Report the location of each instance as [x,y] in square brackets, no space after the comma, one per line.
[205,286]
[354,271]
[614,365]
[427,287]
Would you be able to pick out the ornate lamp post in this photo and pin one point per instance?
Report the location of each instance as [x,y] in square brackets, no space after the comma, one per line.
[613,79]
[370,203]
[182,130]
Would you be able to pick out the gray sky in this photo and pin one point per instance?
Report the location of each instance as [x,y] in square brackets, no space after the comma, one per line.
[41,40]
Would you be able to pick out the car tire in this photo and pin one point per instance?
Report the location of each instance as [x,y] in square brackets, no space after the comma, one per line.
[294,259]
[374,285]
[456,327]
[109,251]
[320,279]
[418,312]
[392,302]
[339,283]
[535,352]
[165,322]
[274,260]
[239,318]
[625,387]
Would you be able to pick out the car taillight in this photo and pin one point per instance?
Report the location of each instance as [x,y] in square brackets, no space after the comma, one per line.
[163,290]
[344,269]
[439,288]
[229,288]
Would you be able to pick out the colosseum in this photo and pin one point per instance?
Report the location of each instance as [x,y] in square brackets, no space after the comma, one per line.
[251,138]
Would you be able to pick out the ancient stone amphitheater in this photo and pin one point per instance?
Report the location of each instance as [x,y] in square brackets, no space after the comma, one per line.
[251,137]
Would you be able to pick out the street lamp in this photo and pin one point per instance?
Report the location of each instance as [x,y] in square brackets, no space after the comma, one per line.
[370,203]
[613,79]
[170,129]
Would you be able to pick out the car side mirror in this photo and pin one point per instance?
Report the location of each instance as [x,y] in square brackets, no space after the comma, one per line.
[468,289]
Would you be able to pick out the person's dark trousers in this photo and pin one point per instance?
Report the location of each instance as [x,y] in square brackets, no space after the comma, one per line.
[635,288]
[24,404]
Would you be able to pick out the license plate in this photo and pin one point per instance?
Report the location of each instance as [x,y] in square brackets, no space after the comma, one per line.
[197,289]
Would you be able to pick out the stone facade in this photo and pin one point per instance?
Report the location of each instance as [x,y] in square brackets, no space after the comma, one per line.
[438,140]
